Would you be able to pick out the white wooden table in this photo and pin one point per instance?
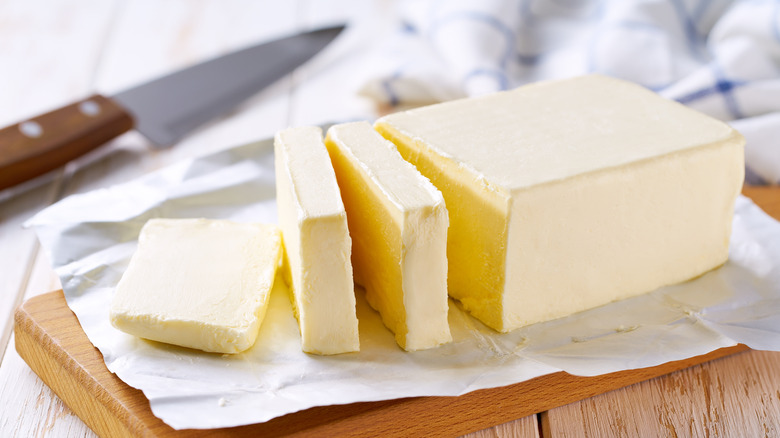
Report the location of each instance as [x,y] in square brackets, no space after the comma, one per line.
[54,52]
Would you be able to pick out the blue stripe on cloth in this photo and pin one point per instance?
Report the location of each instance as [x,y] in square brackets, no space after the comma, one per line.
[753,178]
[698,94]
[725,87]
[693,38]
[484,18]
[526,14]
[392,96]
[526,24]
[657,88]
[529,60]
[722,86]
[408,28]
[498,74]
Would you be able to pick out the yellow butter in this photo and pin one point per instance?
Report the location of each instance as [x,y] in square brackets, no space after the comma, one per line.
[398,222]
[317,243]
[198,283]
[566,195]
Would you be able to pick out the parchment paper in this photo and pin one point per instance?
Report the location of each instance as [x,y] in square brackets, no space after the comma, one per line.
[91,237]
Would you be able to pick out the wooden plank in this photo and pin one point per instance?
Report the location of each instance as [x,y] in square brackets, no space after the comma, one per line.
[326,91]
[50,340]
[69,36]
[486,407]
[49,53]
[57,364]
[28,406]
[17,251]
[365,417]
[134,41]
[735,396]
[43,413]
[524,427]
[150,38]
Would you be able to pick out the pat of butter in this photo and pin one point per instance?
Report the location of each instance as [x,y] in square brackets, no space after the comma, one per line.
[398,224]
[317,243]
[198,283]
[566,195]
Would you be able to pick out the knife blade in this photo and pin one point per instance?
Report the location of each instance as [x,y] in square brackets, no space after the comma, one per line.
[163,110]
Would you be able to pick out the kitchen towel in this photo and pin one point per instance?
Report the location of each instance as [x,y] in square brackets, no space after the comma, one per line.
[720,57]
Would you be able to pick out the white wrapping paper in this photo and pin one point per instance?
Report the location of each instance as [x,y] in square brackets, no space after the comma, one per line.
[91,237]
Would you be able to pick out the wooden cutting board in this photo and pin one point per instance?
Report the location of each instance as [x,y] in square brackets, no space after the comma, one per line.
[49,338]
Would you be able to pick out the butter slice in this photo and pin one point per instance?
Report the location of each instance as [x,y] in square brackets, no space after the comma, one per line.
[398,222]
[198,283]
[570,194]
[317,243]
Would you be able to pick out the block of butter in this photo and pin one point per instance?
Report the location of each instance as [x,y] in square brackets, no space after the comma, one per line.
[398,222]
[198,283]
[317,244]
[566,195]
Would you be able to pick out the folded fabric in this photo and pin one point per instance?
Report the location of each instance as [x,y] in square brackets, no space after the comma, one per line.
[719,57]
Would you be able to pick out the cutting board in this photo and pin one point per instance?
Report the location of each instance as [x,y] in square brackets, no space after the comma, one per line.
[49,338]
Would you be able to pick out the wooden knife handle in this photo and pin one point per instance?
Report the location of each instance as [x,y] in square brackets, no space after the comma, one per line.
[44,143]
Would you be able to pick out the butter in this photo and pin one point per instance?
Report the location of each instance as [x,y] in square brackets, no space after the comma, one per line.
[317,243]
[198,283]
[567,195]
[398,222]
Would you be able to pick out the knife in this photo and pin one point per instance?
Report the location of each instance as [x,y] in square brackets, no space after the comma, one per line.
[163,110]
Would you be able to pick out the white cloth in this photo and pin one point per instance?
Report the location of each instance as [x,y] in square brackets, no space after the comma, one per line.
[720,57]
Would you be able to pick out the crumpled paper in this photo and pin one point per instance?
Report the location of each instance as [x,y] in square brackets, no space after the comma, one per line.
[91,237]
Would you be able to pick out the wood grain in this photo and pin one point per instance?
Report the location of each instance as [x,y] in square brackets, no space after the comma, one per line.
[63,51]
[524,427]
[734,396]
[29,407]
[49,338]
[57,137]
[69,37]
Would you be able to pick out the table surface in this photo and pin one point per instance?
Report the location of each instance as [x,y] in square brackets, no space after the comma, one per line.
[56,52]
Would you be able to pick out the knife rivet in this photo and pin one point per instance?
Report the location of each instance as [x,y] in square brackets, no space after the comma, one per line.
[31,129]
[89,108]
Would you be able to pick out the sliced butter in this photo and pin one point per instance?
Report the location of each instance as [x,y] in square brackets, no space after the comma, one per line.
[570,194]
[317,243]
[198,283]
[398,222]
